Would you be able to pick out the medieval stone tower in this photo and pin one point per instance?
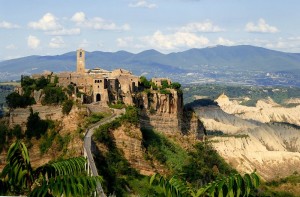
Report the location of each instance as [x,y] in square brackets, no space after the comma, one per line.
[80,61]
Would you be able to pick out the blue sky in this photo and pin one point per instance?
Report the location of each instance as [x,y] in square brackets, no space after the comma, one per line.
[36,27]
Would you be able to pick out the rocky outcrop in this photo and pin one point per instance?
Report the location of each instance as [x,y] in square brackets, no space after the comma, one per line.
[162,112]
[264,111]
[129,140]
[247,142]
[20,115]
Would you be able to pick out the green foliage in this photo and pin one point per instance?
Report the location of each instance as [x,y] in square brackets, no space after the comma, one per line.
[131,115]
[153,85]
[204,165]
[67,106]
[15,100]
[70,89]
[3,134]
[233,185]
[144,82]
[164,91]
[53,95]
[119,105]
[46,141]
[95,117]
[158,147]
[35,126]
[176,85]
[65,177]
[41,83]
[62,142]
[55,79]
[17,131]
[112,165]
[165,84]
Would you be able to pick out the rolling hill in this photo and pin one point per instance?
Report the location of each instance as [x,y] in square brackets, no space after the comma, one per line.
[221,58]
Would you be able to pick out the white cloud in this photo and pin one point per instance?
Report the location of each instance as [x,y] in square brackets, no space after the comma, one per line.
[223,41]
[206,26]
[64,32]
[11,47]
[142,4]
[124,42]
[97,23]
[33,42]
[291,44]
[78,17]
[260,27]
[57,42]
[47,23]
[8,25]
[175,41]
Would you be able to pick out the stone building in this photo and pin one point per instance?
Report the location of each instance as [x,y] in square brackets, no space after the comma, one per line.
[99,85]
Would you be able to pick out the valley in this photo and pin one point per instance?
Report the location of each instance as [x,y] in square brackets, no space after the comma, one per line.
[264,137]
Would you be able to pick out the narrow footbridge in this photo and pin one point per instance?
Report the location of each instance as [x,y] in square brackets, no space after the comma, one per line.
[88,149]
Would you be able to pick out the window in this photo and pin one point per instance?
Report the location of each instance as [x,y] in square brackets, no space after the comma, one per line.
[80,54]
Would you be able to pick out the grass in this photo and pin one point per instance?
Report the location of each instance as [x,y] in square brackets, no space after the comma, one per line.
[159,148]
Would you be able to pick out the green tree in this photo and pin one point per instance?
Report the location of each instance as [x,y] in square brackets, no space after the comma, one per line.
[144,82]
[15,100]
[205,165]
[41,83]
[17,131]
[54,95]
[164,84]
[35,126]
[176,85]
[67,106]
[3,134]
[62,178]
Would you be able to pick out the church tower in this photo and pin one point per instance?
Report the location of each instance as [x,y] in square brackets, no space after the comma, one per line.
[80,61]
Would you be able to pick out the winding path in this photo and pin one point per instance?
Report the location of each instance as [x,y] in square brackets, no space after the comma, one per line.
[87,148]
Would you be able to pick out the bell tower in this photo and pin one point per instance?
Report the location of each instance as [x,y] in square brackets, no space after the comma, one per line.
[80,61]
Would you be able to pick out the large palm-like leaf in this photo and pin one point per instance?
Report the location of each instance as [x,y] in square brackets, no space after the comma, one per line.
[66,177]
[234,185]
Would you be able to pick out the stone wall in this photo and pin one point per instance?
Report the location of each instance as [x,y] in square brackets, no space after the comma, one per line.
[20,115]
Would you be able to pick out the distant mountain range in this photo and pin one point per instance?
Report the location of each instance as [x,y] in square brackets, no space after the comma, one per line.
[241,58]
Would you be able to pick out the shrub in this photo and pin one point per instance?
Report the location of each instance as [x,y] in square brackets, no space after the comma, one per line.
[132,115]
[15,100]
[46,141]
[17,131]
[144,82]
[205,165]
[3,134]
[53,95]
[67,106]
[164,84]
[164,91]
[176,85]
[35,126]
[119,105]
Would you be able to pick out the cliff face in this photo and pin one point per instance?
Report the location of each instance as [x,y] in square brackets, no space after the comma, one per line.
[20,115]
[250,140]
[162,112]
[129,139]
